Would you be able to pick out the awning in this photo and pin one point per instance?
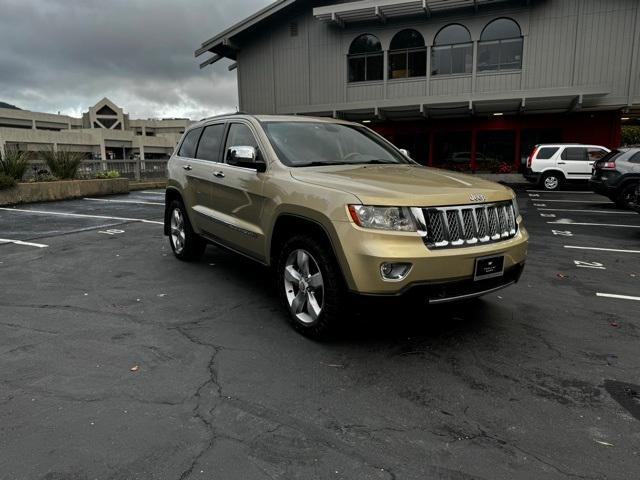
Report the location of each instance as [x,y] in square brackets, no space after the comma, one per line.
[380,10]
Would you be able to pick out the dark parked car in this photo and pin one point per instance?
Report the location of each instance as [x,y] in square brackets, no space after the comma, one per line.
[635,205]
[617,176]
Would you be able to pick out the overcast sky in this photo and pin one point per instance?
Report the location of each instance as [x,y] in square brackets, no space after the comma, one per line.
[65,55]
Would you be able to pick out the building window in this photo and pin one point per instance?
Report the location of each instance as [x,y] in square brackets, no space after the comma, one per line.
[365,59]
[500,46]
[452,51]
[407,55]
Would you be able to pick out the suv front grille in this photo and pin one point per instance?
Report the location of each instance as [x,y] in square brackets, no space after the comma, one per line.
[450,227]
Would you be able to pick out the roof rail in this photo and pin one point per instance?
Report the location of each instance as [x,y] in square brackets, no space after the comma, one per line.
[223,115]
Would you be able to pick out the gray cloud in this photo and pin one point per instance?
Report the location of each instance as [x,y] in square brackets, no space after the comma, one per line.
[64,55]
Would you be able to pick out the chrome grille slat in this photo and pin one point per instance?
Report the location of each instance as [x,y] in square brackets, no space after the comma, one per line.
[457,226]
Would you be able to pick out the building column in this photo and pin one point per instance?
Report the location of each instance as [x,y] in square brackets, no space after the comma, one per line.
[33,124]
[518,147]
[474,147]
[103,155]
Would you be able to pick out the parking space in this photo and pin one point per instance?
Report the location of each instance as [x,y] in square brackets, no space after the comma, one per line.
[118,361]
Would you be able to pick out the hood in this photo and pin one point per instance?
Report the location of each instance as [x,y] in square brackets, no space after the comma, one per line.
[403,185]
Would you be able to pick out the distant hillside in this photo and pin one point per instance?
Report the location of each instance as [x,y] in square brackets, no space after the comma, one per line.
[8,105]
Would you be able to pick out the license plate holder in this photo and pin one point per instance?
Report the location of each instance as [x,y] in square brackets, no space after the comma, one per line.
[489,267]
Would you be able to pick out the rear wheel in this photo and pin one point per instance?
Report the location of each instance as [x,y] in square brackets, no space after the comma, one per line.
[551,181]
[311,286]
[185,243]
[626,196]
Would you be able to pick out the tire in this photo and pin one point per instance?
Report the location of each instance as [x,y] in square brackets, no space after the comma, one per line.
[313,307]
[626,196]
[185,243]
[551,181]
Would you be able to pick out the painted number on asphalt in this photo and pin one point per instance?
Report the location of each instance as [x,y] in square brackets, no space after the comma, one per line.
[534,195]
[111,231]
[596,265]
[562,233]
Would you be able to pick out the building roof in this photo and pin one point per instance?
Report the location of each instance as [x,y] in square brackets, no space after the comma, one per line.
[222,45]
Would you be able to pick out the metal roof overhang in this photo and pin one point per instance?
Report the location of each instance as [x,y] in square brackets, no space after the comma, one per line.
[380,10]
[531,102]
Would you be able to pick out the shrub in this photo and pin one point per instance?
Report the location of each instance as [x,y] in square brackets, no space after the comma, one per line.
[62,163]
[6,181]
[630,135]
[108,174]
[13,163]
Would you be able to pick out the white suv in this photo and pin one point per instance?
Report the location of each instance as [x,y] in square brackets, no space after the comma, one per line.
[551,165]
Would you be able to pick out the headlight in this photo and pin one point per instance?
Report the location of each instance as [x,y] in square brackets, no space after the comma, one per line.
[516,209]
[383,218]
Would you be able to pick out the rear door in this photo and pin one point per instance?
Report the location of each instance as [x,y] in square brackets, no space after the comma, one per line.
[238,195]
[574,162]
[207,157]
[194,191]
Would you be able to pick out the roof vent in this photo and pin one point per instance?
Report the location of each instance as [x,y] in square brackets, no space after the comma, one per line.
[293,29]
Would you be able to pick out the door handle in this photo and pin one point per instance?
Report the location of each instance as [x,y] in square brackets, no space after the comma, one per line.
[187,167]
[218,174]
[562,163]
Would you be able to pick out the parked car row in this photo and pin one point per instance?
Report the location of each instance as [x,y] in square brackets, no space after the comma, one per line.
[612,173]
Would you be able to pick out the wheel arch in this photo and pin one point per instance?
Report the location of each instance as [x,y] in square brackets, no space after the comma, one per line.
[170,195]
[288,224]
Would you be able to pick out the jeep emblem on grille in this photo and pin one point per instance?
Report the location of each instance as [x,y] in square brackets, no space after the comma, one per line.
[477,197]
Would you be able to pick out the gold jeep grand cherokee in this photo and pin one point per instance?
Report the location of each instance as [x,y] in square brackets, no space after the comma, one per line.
[335,209]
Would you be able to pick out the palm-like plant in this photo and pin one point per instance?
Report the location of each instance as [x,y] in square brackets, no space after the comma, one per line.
[63,163]
[13,163]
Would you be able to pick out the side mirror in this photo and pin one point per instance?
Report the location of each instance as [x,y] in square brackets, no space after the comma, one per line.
[245,156]
[405,152]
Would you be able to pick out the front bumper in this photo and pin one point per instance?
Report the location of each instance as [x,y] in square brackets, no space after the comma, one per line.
[447,270]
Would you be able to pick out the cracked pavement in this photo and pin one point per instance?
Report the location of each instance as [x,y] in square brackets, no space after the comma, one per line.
[510,386]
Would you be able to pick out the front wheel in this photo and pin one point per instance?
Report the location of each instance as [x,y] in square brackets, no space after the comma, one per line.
[311,286]
[551,181]
[185,243]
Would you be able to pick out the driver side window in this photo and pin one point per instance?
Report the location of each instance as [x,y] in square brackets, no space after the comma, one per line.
[239,136]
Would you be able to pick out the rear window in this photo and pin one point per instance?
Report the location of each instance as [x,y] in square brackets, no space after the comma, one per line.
[545,153]
[189,144]
[574,153]
[611,156]
[635,158]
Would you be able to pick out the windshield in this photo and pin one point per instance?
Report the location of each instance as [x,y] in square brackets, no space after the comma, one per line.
[303,144]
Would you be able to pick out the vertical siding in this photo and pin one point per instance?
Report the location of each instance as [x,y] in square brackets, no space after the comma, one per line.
[605,43]
[503,82]
[567,43]
[450,86]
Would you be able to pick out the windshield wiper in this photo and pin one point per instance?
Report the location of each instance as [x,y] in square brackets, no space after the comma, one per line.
[376,161]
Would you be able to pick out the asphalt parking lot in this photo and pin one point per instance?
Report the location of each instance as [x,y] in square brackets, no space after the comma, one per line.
[117,361]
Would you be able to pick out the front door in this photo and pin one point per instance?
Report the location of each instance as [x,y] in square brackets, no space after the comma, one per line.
[238,196]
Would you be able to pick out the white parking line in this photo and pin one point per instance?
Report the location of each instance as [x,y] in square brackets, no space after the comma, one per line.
[594,224]
[587,211]
[604,202]
[20,242]
[152,193]
[81,215]
[561,191]
[123,201]
[602,249]
[621,297]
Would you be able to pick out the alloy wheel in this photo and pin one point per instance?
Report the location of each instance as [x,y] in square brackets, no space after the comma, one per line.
[178,236]
[304,286]
[551,183]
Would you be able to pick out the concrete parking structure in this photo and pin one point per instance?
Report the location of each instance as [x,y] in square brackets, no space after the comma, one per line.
[118,361]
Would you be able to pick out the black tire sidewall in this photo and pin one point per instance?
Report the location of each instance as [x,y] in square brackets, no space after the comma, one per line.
[334,289]
[194,244]
[621,201]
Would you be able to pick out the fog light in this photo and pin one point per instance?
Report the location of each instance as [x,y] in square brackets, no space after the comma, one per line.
[394,271]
